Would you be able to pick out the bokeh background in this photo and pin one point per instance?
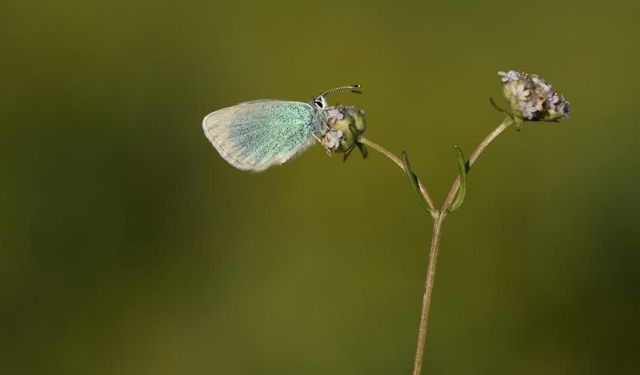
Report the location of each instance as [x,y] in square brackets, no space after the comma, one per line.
[128,246]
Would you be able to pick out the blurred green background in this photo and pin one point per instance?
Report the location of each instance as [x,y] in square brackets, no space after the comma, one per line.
[128,246]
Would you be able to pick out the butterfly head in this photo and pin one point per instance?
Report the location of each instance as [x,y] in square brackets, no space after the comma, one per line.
[321,101]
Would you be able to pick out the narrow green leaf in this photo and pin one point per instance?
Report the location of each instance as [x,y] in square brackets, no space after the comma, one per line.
[497,108]
[413,179]
[356,135]
[347,153]
[462,189]
[518,121]
[363,150]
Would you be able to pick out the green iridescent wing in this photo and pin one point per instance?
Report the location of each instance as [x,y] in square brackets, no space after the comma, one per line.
[256,135]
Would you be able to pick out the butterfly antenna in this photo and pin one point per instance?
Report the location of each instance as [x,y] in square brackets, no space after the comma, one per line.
[349,88]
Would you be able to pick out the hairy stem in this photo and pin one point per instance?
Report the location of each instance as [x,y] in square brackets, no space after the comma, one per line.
[473,157]
[428,289]
[398,162]
[438,215]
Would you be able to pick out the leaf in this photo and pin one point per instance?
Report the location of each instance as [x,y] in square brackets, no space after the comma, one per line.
[497,108]
[353,129]
[356,135]
[347,153]
[462,189]
[363,150]
[518,121]
[413,179]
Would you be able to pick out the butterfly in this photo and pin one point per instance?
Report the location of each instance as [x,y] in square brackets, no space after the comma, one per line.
[256,135]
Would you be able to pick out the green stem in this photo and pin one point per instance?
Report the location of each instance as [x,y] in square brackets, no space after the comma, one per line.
[473,157]
[439,216]
[399,163]
[428,290]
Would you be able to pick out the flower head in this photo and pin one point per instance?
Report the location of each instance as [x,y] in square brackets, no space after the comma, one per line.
[332,138]
[333,114]
[532,98]
[343,126]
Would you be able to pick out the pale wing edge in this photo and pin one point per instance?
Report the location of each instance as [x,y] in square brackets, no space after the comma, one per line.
[226,155]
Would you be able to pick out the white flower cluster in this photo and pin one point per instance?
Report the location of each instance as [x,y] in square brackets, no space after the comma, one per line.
[342,127]
[532,98]
[330,137]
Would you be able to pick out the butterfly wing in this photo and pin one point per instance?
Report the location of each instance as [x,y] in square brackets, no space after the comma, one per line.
[256,135]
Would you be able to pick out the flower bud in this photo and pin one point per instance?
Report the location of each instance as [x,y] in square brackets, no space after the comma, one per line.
[532,98]
[343,127]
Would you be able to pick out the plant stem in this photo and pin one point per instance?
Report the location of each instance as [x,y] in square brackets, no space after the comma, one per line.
[398,162]
[473,157]
[439,216]
[428,289]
